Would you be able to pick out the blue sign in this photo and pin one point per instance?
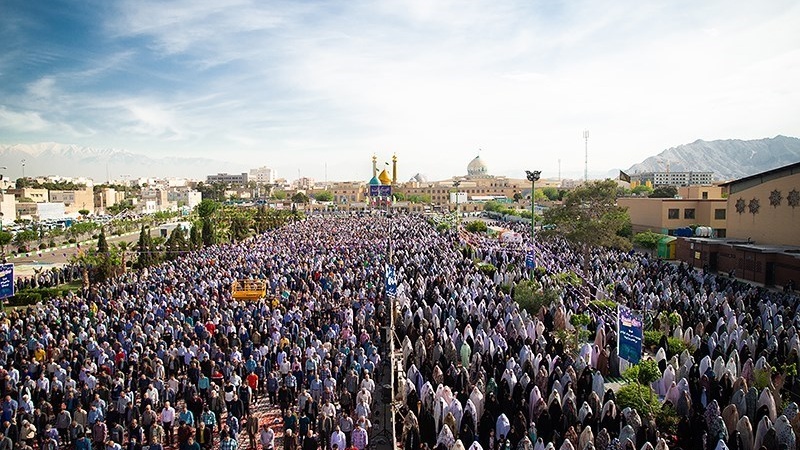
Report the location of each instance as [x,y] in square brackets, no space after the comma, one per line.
[379,190]
[629,332]
[530,260]
[391,281]
[6,280]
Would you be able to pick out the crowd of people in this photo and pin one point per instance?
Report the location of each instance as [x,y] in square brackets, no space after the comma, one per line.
[166,358]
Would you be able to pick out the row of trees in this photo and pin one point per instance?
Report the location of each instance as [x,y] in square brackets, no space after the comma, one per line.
[215,223]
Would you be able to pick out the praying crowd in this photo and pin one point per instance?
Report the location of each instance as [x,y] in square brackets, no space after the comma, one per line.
[165,358]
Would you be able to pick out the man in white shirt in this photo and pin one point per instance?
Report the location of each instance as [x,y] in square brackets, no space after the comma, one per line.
[338,439]
[167,419]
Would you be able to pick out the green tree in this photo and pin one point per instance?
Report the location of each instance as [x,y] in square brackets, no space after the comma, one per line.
[196,236]
[176,244]
[664,192]
[145,248]
[105,261]
[279,194]
[648,239]
[208,234]
[207,208]
[421,198]
[22,238]
[102,244]
[240,228]
[83,212]
[5,239]
[476,226]
[517,196]
[589,217]
[323,196]
[642,189]
[551,193]
[299,197]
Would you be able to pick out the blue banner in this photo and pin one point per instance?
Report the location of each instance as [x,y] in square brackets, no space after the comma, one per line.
[391,281]
[530,260]
[6,280]
[379,190]
[629,332]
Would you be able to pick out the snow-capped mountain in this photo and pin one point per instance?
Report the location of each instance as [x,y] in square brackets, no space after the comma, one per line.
[728,159]
[52,158]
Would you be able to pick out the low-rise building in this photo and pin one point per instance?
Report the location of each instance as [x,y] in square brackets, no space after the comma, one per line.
[762,244]
[673,178]
[8,209]
[665,215]
[36,195]
[228,179]
[74,200]
[185,197]
[105,198]
[40,211]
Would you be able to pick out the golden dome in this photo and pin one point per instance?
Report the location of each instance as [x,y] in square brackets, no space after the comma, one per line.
[384,177]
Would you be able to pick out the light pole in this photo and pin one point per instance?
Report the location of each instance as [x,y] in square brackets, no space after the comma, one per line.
[532,177]
[23,168]
[456,184]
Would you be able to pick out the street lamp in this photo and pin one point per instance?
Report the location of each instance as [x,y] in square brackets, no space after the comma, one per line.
[532,177]
[456,184]
[23,168]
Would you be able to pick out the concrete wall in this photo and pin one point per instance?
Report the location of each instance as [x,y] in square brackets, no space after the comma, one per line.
[778,225]
[653,213]
[766,266]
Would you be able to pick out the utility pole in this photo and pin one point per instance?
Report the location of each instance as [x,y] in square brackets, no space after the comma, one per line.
[532,177]
[586,156]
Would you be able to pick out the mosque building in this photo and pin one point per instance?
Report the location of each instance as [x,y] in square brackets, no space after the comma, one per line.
[475,188]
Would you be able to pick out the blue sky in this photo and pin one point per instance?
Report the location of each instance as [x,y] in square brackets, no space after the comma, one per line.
[297,85]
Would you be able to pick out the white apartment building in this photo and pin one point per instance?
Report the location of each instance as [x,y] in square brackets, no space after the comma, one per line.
[262,175]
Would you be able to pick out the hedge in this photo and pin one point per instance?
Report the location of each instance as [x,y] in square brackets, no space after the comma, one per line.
[33,296]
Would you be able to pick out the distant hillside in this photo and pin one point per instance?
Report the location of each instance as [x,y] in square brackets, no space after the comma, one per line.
[728,159]
[67,160]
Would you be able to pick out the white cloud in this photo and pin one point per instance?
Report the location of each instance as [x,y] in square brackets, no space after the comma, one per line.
[432,81]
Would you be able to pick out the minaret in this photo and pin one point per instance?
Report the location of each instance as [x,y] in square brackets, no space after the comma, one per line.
[394,169]
[374,166]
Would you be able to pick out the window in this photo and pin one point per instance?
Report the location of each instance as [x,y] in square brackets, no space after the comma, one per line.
[673,213]
[705,195]
[719,214]
[688,213]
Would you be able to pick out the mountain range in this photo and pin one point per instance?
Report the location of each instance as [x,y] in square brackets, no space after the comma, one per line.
[728,159]
[68,160]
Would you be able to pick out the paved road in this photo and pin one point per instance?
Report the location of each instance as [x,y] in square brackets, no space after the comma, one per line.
[24,265]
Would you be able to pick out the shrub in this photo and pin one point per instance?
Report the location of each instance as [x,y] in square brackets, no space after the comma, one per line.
[676,346]
[51,243]
[580,320]
[674,319]
[525,296]
[638,397]
[42,246]
[667,419]
[71,241]
[652,338]
[604,304]
[487,268]
[762,378]
[442,227]
[477,226]
[24,298]
[644,373]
